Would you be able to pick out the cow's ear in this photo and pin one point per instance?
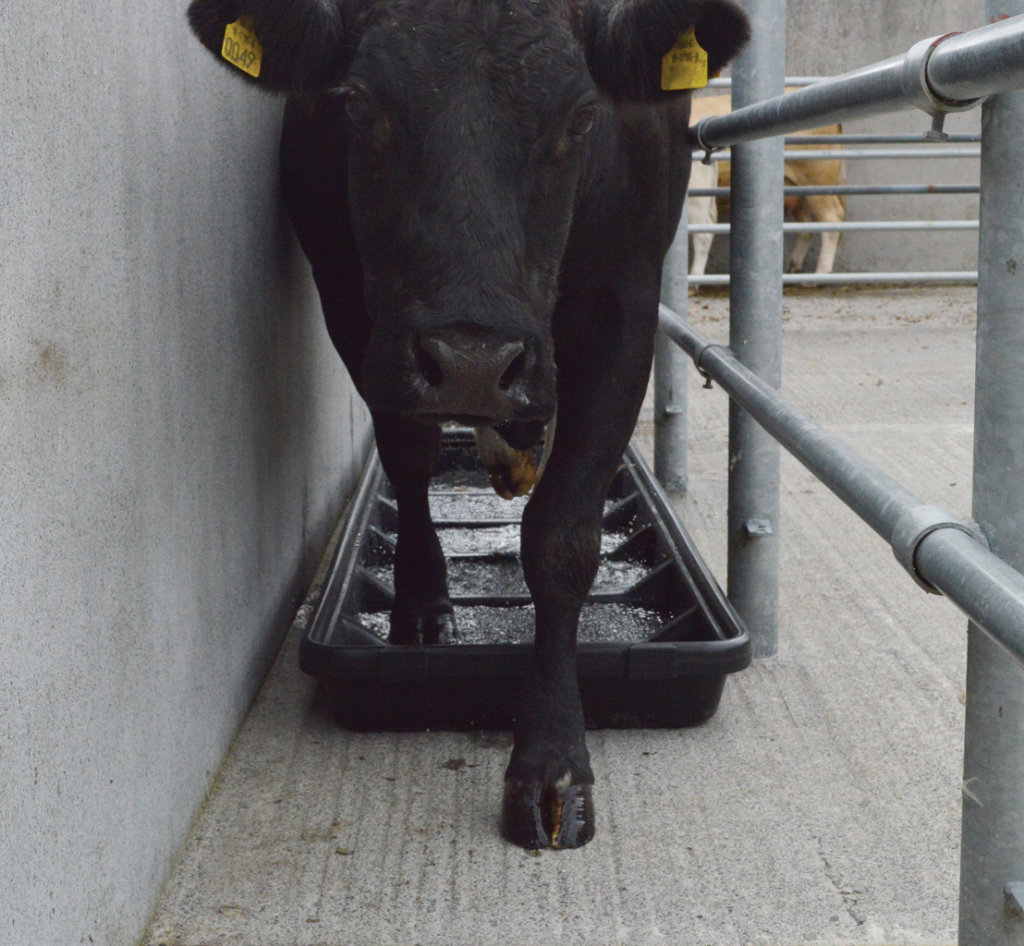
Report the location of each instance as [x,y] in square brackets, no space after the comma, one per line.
[626,40]
[296,46]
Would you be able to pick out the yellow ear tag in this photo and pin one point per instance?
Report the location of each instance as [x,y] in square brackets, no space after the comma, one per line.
[685,65]
[241,47]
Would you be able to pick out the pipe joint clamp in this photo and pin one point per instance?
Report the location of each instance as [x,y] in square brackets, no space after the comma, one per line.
[696,138]
[698,354]
[915,66]
[911,530]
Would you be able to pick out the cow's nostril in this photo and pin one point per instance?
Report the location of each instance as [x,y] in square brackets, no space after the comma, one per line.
[428,367]
[471,371]
[514,372]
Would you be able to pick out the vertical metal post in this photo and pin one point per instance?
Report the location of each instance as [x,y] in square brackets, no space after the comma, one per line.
[755,332]
[992,838]
[670,419]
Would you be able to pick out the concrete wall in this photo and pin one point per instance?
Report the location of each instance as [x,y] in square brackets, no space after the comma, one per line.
[824,38]
[176,440]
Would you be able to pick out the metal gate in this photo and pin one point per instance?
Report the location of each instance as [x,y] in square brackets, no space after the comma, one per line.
[972,565]
[856,147]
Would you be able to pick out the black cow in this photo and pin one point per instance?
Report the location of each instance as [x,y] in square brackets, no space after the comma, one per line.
[486,190]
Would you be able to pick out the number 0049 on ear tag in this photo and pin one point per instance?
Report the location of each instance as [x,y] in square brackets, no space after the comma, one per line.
[685,65]
[241,47]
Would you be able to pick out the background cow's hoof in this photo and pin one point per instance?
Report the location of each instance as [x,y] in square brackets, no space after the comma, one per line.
[536,816]
[432,624]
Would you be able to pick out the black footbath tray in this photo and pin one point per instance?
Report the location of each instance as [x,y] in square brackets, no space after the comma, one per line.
[657,635]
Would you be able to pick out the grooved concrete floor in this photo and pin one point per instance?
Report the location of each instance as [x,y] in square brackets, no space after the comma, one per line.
[820,806]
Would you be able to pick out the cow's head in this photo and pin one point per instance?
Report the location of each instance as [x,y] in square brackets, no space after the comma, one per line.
[469,126]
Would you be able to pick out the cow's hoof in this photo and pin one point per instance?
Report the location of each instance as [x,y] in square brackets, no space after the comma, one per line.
[425,627]
[557,816]
[514,475]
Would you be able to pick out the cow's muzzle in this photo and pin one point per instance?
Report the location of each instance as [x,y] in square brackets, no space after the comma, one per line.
[467,372]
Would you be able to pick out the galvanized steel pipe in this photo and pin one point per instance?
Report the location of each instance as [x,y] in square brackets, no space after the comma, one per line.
[944,74]
[938,75]
[857,154]
[670,407]
[755,331]
[868,139]
[849,190]
[935,547]
[849,226]
[843,279]
[726,82]
[977,63]
[992,833]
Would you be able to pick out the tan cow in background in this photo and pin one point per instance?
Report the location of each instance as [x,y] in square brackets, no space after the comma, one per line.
[825,209]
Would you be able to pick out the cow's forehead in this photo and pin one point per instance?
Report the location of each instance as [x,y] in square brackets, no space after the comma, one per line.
[526,49]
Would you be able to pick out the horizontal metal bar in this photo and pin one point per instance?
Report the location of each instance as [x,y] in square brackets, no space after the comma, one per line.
[859,139]
[875,89]
[525,600]
[490,523]
[985,588]
[844,279]
[849,226]
[463,493]
[852,190]
[858,154]
[945,73]
[726,82]
[979,62]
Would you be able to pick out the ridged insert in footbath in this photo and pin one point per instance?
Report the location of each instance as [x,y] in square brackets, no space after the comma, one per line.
[483,560]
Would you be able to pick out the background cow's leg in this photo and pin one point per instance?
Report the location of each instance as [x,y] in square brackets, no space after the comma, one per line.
[801,212]
[828,209]
[603,369]
[409,448]
[701,250]
[827,254]
[821,208]
[702,210]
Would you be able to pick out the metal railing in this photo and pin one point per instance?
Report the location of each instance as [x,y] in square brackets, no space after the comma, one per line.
[812,190]
[839,147]
[942,554]
[856,154]
[945,555]
[944,74]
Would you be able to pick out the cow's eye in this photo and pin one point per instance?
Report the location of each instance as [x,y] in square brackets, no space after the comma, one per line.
[582,122]
[358,107]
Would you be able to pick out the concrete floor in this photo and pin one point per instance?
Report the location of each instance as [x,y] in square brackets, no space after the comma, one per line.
[821,805]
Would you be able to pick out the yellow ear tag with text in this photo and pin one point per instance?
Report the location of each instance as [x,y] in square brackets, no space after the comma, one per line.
[685,65]
[241,47]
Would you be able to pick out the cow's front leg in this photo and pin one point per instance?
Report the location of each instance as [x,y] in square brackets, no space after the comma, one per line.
[548,800]
[602,377]
[409,448]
